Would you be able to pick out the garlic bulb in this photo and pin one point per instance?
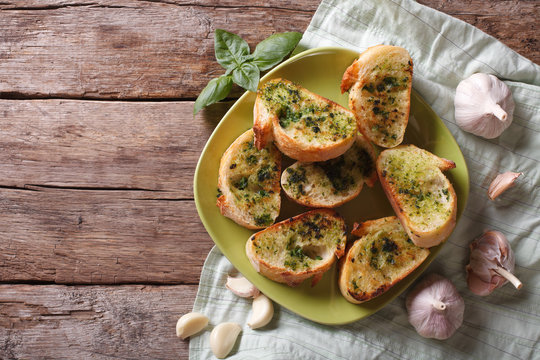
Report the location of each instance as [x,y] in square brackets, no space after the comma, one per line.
[491,264]
[242,287]
[483,105]
[435,307]
[501,183]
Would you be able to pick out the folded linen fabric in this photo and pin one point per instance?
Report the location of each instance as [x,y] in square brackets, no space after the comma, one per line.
[503,325]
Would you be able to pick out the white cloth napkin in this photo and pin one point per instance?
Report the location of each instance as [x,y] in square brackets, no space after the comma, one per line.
[503,325]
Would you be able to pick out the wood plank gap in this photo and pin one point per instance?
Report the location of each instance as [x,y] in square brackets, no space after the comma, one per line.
[182,5]
[126,283]
[84,188]
[14,187]
[243,7]
[64,6]
[23,96]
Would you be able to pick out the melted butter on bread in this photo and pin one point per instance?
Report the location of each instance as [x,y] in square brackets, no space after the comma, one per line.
[298,248]
[383,255]
[305,126]
[379,84]
[333,182]
[421,195]
[249,183]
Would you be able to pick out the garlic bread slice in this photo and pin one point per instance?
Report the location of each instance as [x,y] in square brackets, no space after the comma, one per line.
[304,126]
[332,182]
[249,183]
[381,257]
[298,248]
[422,197]
[379,83]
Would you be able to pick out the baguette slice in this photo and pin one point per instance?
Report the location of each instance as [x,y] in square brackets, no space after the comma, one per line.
[333,182]
[304,126]
[249,183]
[379,84]
[381,257]
[422,197]
[298,248]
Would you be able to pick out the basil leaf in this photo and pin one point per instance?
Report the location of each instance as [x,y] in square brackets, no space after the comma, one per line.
[216,89]
[231,50]
[274,48]
[247,76]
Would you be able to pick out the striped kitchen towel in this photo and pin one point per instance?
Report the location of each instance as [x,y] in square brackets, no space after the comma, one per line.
[503,325]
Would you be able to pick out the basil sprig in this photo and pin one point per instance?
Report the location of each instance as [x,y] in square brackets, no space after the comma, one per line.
[243,68]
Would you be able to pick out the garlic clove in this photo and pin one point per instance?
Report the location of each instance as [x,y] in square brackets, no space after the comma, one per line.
[223,337]
[190,324]
[435,308]
[262,313]
[241,286]
[483,105]
[501,183]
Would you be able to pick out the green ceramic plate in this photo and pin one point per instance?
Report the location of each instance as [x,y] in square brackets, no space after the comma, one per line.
[319,70]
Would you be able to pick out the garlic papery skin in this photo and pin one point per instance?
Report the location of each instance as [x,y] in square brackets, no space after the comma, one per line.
[262,312]
[501,183]
[435,308]
[483,105]
[223,337]
[491,264]
[190,324]
[241,286]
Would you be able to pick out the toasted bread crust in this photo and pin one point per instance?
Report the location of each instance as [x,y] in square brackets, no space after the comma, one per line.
[379,259]
[323,232]
[334,182]
[255,203]
[422,197]
[379,84]
[325,133]
[262,124]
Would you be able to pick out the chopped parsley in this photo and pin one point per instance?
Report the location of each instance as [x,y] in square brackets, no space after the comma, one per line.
[242,183]
[251,159]
[264,173]
[262,220]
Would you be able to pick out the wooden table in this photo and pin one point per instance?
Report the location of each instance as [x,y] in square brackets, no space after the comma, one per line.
[101,246]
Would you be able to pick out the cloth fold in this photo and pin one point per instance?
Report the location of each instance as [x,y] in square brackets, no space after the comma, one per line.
[503,325]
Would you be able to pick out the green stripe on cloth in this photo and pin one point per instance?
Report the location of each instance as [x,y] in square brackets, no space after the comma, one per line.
[503,325]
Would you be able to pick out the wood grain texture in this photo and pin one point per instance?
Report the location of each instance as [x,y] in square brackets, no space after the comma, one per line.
[124,50]
[99,237]
[101,192]
[102,144]
[93,322]
[164,49]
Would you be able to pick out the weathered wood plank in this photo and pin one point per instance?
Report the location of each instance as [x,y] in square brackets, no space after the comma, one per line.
[304,5]
[99,237]
[125,50]
[98,144]
[142,50]
[93,322]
